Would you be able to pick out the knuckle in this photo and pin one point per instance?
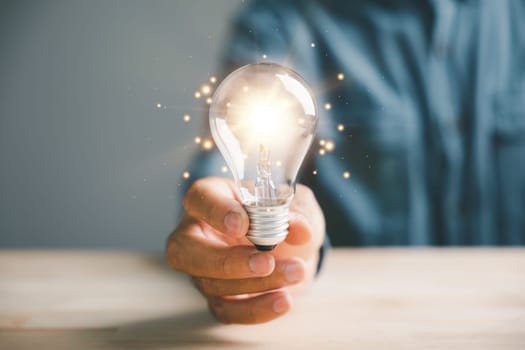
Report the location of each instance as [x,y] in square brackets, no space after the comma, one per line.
[222,265]
[197,185]
[305,191]
[309,195]
[217,309]
[308,205]
[196,282]
[193,192]
[205,286]
[186,203]
[199,284]
[174,253]
[252,315]
[213,217]
[304,199]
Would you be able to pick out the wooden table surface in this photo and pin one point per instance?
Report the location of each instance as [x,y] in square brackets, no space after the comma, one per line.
[364,299]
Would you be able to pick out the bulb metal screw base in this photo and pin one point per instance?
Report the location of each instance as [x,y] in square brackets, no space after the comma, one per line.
[268,225]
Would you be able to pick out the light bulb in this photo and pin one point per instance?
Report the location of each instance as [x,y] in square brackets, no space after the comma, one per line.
[263,119]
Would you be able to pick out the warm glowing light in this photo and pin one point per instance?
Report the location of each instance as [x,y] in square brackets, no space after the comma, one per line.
[186,118]
[205,89]
[186,174]
[329,146]
[340,76]
[158,105]
[346,175]
[262,120]
[213,79]
[207,145]
[312,45]
[224,169]
[327,106]
[209,100]
[322,152]
[245,88]
[197,94]
[278,163]
[322,142]
[314,172]
[264,56]
[340,127]
[197,140]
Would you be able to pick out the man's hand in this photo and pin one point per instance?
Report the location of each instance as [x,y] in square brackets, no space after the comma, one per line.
[241,284]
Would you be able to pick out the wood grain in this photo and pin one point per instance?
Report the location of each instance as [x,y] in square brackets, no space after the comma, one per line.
[364,299]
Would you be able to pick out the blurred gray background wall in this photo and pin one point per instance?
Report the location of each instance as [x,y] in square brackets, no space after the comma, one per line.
[87,159]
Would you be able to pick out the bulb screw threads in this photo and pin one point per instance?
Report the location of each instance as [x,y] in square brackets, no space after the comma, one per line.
[268,225]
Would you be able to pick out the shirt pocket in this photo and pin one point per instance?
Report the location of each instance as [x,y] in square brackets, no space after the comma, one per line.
[509,156]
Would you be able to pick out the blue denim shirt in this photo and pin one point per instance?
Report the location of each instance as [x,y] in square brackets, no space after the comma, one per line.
[433,108]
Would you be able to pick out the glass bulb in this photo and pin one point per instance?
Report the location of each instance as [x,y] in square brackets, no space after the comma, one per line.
[263,119]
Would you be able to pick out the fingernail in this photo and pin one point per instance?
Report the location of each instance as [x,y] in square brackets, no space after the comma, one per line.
[281,305]
[260,264]
[232,221]
[293,273]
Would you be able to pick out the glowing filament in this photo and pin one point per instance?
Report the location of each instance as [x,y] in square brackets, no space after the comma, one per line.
[264,188]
